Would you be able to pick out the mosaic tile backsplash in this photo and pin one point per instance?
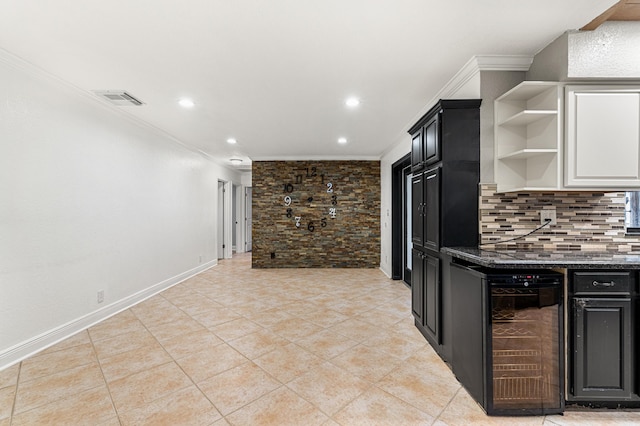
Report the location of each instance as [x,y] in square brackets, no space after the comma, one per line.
[592,221]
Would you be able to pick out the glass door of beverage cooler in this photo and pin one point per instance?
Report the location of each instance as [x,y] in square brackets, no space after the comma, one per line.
[525,347]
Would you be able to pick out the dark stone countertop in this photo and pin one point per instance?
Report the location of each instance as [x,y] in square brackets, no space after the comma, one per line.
[544,259]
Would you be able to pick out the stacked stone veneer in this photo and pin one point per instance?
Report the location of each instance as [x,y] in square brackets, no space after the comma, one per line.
[351,239]
[591,221]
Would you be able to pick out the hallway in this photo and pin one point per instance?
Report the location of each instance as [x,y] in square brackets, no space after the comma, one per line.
[243,346]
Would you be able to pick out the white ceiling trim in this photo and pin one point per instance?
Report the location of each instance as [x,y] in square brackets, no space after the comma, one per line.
[468,71]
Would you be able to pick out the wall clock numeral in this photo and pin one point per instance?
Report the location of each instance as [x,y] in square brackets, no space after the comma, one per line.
[298,219]
[288,187]
[334,200]
[311,227]
[333,212]
[298,178]
[289,213]
[323,222]
[329,187]
[312,172]
[287,200]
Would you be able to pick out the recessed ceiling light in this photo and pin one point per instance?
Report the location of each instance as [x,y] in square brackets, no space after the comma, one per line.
[236,161]
[186,103]
[352,102]
[342,140]
[231,141]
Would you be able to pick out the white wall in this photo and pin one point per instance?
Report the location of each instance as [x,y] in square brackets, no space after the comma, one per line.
[90,200]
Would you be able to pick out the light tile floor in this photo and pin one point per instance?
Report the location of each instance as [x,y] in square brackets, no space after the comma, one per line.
[240,346]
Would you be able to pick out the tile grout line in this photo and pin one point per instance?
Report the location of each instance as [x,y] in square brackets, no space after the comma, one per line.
[95,352]
[15,395]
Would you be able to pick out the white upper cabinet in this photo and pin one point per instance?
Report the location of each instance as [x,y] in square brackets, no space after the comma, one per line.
[528,137]
[602,137]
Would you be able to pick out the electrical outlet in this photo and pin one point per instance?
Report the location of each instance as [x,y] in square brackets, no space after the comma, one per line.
[548,215]
[100,296]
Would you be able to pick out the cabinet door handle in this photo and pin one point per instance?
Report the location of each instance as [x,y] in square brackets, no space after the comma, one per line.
[603,283]
[580,303]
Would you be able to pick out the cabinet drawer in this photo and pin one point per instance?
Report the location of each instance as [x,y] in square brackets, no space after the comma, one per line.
[602,282]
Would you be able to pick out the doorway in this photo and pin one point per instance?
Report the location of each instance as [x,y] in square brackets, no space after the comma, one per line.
[401,220]
[221,220]
[247,217]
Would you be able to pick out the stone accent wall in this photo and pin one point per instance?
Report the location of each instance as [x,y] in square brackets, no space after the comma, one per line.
[334,216]
[591,221]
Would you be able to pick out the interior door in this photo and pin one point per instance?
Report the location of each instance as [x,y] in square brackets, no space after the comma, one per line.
[408,245]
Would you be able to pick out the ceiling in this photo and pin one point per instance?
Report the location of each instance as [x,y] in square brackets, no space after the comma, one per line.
[274,74]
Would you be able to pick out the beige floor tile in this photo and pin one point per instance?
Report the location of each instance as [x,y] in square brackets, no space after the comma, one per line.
[328,387]
[9,376]
[122,323]
[158,311]
[366,363]
[215,316]
[326,344]
[235,329]
[7,397]
[376,407]
[125,342]
[395,344]
[380,318]
[47,389]
[294,328]
[279,408]
[255,344]
[91,407]
[209,362]
[5,422]
[269,317]
[428,392]
[325,317]
[464,410]
[184,325]
[77,339]
[238,387]
[299,309]
[147,386]
[355,329]
[130,362]
[285,363]
[53,362]
[184,407]
[188,344]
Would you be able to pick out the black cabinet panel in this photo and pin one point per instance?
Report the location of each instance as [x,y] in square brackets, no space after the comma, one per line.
[417,209]
[417,160]
[432,297]
[602,364]
[431,140]
[417,286]
[432,209]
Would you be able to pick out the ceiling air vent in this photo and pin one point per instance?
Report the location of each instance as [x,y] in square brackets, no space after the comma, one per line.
[118,97]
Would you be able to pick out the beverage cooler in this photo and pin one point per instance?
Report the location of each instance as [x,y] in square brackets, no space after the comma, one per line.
[507,339]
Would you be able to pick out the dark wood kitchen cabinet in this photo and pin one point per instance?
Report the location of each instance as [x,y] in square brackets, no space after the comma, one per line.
[446,173]
[425,143]
[426,209]
[603,356]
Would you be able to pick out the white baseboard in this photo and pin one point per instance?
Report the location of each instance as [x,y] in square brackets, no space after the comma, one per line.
[38,343]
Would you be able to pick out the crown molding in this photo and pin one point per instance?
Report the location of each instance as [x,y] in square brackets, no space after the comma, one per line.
[468,71]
